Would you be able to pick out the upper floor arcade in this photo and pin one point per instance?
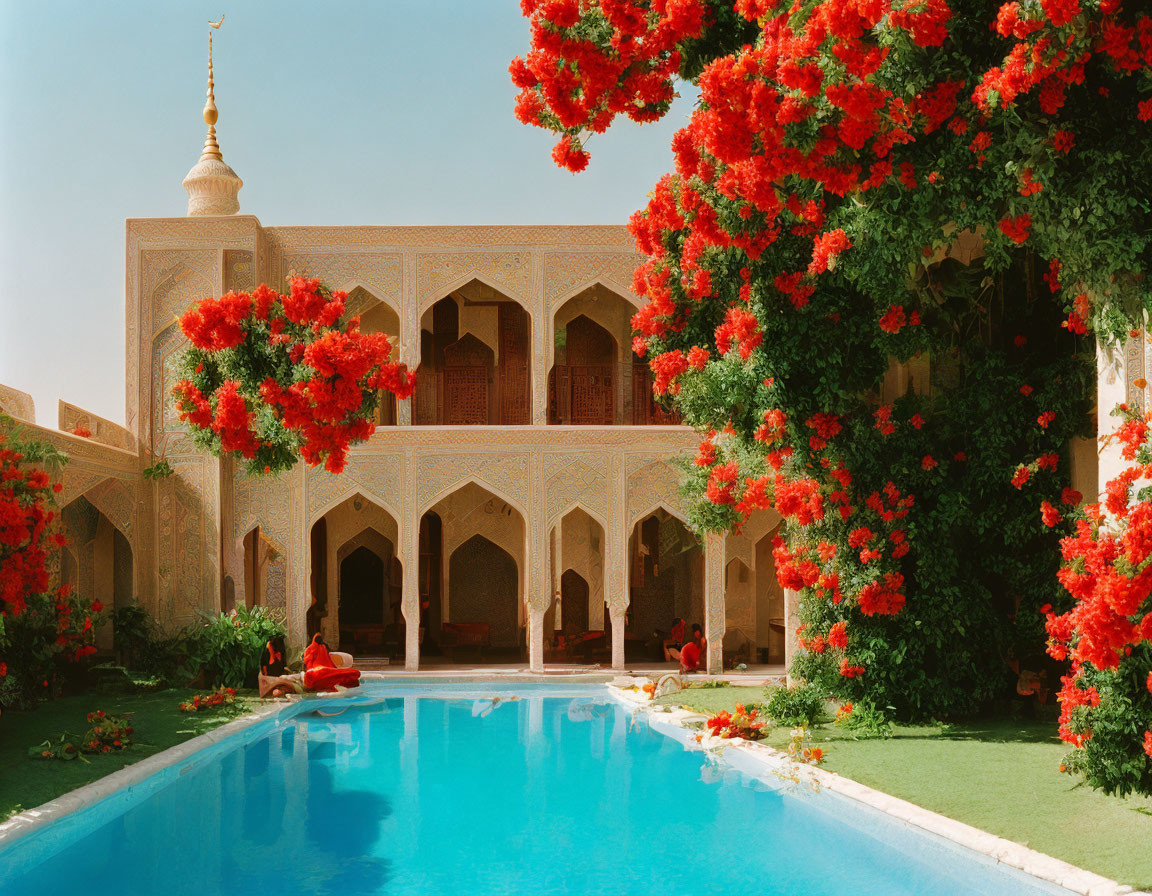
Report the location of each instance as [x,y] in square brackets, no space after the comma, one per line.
[508,326]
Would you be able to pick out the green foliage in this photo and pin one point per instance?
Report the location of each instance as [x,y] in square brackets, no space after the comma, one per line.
[152,654]
[106,734]
[802,704]
[161,469]
[228,646]
[981,562]
[865,721]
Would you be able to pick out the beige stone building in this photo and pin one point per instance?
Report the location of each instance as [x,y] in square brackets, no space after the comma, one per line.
[521,506]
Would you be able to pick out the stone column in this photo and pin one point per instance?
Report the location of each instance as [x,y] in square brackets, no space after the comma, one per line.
[1121,377]
[714,601]
[541,349]
[409,538]
[791,623]
[557,577]
[616,585]
[538,581]
[616,614]
[299,559]
[535,639]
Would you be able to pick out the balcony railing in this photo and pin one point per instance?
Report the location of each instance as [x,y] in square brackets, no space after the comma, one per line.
[604,395]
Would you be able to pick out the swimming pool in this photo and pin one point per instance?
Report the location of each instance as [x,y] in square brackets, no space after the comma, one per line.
[435,789]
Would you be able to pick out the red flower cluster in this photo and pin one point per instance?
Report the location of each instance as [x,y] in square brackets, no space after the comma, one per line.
[743,723]
[1016,228]
[883,596]
[570,81]
[26,495]
[321,390]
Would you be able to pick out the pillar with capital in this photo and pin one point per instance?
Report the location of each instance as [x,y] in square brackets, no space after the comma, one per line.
[714,601]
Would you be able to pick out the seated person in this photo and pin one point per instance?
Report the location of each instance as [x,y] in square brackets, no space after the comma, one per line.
[274,679]
[676,636]
[692,654]
[689,657]
[321,671]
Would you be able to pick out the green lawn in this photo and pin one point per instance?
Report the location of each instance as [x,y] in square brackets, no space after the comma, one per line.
[1000,776]
[157,720]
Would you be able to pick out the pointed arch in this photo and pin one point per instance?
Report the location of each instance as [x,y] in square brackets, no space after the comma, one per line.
[558,517]
[354,283]
[610,285]
[445,290]
[357,489]
[483,483]
[665,506]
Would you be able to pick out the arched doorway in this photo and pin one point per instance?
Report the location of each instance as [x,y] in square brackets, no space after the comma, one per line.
[98,561]
[472,556]
[583,381]
[575,623]
[483,591]
[589,380]
[363,595]
[740,614]
[475,358]
[666,581]
[753,599]
[574,600]
[431,584]
[356,579]
[771,629]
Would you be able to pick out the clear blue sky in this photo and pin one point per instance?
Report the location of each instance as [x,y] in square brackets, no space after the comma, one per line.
[388,112]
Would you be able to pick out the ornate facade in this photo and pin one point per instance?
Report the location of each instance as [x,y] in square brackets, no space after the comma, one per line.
[585,520]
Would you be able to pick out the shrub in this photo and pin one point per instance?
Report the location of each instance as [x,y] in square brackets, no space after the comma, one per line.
[799,705]
[270,378]
[44,630]
[227,647]
[1106,698]
[145,648]
[863,720]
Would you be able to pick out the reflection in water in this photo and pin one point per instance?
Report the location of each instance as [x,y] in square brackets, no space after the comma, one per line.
[541,796]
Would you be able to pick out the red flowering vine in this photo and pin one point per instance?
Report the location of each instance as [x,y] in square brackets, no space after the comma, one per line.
[849,193]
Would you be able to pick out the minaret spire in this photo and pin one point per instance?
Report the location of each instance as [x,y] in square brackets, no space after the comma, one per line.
[212,186]
[211,147]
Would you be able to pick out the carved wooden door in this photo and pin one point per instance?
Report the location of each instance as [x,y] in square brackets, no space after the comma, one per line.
[467,368]
[593,389]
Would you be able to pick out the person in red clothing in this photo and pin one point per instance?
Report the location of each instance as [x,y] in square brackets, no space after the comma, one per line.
[321,672]
[691,655]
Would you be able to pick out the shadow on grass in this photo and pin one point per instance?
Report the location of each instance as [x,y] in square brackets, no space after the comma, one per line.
[1003,731]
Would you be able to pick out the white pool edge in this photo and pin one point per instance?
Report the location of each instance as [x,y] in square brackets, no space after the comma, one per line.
[757,759]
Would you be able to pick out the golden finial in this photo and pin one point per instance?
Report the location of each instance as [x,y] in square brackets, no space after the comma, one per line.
[211,147]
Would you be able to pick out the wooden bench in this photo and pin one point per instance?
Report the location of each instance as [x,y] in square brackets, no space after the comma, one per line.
[466,634]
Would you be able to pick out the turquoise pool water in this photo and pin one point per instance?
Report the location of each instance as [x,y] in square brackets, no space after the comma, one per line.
[431,792]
